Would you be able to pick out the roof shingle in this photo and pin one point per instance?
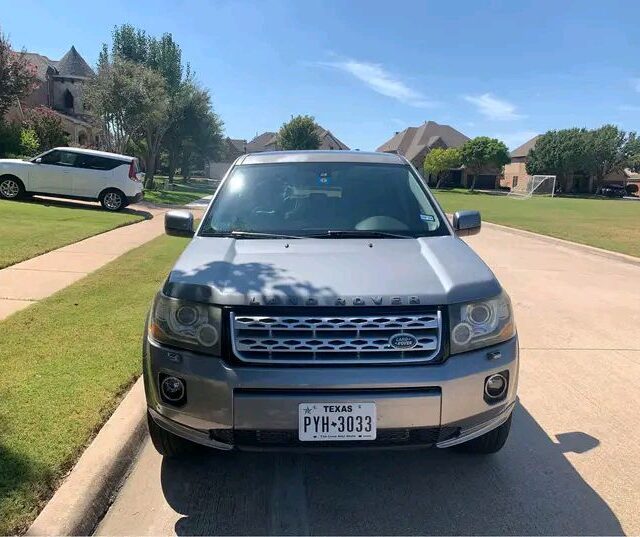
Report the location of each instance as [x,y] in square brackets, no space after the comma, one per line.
[525,148]
[73,65]
[413,140]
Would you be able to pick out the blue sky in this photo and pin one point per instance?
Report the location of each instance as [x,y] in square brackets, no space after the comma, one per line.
[366,69]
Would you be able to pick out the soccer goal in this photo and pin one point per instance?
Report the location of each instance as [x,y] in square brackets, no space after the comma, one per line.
[538,185]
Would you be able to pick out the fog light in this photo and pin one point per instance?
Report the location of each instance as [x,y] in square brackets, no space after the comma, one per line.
[495,386]
[172,389]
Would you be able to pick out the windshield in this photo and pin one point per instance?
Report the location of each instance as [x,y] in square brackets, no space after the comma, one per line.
[316,198]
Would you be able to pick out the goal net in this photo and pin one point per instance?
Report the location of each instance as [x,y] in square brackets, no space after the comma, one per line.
[538,185]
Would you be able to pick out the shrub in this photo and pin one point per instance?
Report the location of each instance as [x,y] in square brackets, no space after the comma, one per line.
[48,127]
[29,143]
[9,139]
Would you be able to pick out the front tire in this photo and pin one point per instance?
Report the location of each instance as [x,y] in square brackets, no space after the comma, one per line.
[11,188]
[113,200]
[168,444]
[490,442]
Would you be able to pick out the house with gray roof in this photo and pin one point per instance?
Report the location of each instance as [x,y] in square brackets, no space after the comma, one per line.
[267,141]
[415,142]
[60,86]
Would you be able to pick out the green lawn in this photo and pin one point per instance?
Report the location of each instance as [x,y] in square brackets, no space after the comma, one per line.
[609,224]
[65,363]
[30,229]
[181,194]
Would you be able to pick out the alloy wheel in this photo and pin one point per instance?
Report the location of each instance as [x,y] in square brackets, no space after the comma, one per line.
[9,188]
[113,201]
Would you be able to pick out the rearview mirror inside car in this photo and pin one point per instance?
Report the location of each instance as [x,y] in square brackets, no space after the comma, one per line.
[178,223]
[466,223]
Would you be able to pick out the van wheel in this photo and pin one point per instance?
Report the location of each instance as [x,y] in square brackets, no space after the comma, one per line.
[168,444]
[11,188]
[488,443]
[113,200]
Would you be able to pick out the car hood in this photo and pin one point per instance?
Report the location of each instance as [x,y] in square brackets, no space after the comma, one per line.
[329,272]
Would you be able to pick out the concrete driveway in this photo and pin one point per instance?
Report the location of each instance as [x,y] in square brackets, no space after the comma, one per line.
[571,465]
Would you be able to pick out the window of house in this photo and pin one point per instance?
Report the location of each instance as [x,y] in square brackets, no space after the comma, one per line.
[514,181]
[68,99]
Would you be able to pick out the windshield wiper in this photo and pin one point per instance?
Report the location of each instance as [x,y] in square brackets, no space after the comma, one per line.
[250,235]
[359,234]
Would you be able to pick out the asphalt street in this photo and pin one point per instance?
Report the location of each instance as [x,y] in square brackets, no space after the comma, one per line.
[570,465]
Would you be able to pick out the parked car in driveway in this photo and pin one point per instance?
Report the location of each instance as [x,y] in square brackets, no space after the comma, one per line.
[68,172]
[612,191]
[326,301]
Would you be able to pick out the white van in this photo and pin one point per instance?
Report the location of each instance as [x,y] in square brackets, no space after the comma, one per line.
[68,172]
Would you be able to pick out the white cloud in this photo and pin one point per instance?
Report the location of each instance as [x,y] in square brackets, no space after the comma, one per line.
[493,108]
[381,81]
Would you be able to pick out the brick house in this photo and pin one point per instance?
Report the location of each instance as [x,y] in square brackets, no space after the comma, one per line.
[415,142]
[516,172]
[60,86]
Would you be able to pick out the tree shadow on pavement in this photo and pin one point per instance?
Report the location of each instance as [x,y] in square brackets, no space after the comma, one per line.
[527,488]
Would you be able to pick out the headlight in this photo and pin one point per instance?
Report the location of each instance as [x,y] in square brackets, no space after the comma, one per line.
[186,324]
[480,324]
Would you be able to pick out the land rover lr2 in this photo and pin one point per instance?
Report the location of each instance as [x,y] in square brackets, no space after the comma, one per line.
[325,301]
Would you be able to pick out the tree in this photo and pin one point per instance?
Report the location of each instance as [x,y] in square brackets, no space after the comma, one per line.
[481,152]
[188,109]
[123,96]
[155,122]
[439,161]
[609,149]
[301,132]
[196,132]
[129,43]
[561,153]
[17,76]
[47,126]
[163,57]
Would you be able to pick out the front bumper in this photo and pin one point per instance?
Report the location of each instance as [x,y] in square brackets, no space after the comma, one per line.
[257,407]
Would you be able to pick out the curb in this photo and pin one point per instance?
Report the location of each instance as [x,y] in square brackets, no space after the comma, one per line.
[569,244]
[86,493]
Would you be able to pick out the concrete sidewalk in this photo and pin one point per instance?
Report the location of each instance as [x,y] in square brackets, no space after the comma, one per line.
[37,278]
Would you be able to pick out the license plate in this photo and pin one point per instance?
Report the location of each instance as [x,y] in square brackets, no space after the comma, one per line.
[318,422]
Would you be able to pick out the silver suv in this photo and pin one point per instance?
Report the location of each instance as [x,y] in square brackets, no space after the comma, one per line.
[325,301]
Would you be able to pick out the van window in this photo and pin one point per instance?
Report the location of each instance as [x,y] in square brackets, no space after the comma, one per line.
[59,158]
[94,162]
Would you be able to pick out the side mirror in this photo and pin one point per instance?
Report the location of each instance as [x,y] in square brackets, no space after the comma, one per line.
[38,160]
[466,223]
[178,223]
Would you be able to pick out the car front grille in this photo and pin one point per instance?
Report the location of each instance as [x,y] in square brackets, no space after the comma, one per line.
[336,339]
